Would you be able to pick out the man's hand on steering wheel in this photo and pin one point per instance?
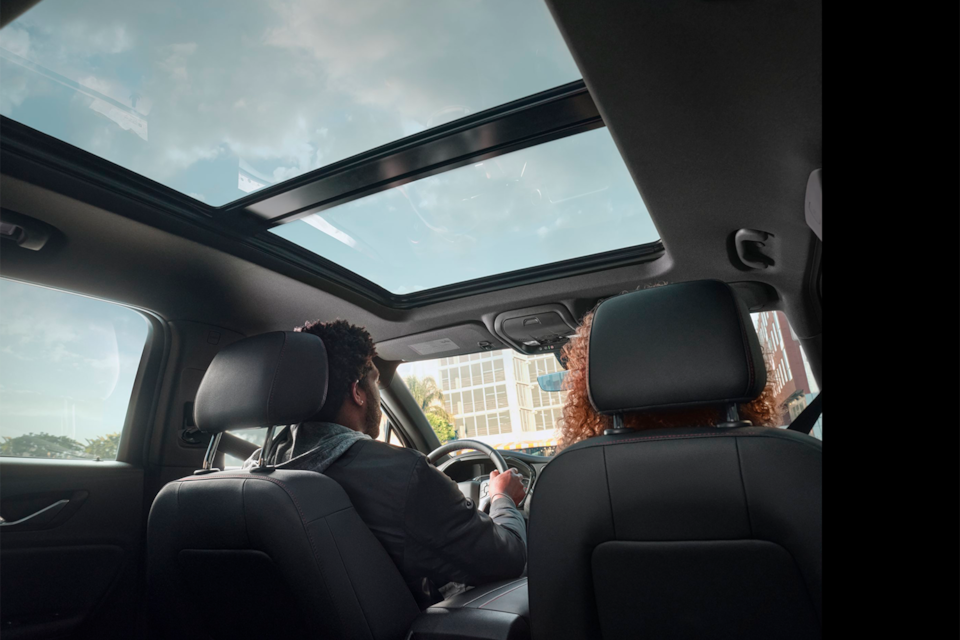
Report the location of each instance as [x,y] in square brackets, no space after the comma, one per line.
[507,483]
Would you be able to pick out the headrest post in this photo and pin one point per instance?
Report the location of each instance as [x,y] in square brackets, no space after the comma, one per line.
[733,418]
[733,413]
[210,455]
[618,427]
[265,449]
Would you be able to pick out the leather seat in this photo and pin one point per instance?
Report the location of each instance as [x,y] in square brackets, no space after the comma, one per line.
[278,553]
[699,532]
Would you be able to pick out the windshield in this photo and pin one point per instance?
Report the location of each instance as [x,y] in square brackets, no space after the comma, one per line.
[495,397]
[492,397]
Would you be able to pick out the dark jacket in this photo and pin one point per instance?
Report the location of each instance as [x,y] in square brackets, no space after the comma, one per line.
[433,533]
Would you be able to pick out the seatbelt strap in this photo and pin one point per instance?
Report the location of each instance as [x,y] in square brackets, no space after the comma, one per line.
[808,417]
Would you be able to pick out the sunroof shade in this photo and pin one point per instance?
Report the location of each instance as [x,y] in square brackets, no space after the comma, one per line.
[565,199]
[217,99]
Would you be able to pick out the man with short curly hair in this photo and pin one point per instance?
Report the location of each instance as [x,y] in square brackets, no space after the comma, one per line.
[435,536]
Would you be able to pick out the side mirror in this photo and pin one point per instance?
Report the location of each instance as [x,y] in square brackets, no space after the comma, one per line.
[552,382]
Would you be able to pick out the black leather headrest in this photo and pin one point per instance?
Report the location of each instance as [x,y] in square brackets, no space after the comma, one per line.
[271,379]
[680,345]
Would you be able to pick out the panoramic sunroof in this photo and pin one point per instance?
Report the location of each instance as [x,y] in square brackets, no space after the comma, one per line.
[564,199]
[220,99]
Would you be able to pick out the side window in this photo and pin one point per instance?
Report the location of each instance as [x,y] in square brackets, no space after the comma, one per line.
[255,436]
[67,368]
[793,381]
[394,438]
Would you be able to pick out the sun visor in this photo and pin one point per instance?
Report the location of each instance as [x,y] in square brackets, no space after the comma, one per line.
[440,343]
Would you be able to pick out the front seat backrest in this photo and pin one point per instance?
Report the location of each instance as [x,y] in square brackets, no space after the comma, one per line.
[271,554]
[696,532]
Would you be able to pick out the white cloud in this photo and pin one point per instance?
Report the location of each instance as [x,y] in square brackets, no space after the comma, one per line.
[12,93]
[16,40]
[286,85]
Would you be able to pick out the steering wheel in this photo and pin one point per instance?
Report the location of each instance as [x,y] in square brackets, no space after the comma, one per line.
[471,489]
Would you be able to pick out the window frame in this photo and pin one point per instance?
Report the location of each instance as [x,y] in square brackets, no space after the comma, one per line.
[144,395]
[537,119]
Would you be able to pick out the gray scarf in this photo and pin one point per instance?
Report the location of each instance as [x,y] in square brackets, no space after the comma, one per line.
[309,446]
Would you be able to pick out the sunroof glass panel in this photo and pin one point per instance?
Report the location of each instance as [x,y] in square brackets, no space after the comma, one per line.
[565,199]
[218,99]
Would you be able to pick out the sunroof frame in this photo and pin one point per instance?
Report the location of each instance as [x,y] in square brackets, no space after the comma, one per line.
[540,118]
[545,116]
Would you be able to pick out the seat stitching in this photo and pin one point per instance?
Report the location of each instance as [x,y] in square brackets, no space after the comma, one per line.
[303,522]
[327,515]
[743,485]
[606,474]
[179,510]
[680,437]
[500,596]
[243,509]
[488,593]
[251,477]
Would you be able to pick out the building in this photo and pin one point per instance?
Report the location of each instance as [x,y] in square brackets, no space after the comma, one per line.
[494,397]
[792,381]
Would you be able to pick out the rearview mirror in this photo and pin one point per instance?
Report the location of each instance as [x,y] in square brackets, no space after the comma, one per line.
[552,382]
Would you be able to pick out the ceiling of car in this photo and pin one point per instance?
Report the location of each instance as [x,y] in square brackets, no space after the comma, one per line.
[718,137]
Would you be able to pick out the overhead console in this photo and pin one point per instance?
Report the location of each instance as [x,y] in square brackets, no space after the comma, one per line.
[542,329]
[441,343]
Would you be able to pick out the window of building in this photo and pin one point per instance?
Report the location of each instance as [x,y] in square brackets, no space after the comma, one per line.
[496,396]
[67,369]
[498,374]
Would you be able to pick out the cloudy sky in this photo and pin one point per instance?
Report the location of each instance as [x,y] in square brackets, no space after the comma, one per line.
[67,363]
[217,98]
[564,199]
[207,96]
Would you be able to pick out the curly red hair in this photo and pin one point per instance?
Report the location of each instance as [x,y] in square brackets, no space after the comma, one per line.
[579,421]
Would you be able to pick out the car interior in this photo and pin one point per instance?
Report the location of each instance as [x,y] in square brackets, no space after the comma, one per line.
[180,188]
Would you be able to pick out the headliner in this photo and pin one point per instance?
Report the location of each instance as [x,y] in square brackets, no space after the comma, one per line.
[718,137]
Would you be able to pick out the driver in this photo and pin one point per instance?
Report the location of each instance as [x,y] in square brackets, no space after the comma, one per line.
[436,537]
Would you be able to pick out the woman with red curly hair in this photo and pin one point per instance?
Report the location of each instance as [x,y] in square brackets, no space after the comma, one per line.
[580,421]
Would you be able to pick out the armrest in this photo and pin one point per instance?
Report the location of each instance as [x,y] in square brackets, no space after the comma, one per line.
[497,611]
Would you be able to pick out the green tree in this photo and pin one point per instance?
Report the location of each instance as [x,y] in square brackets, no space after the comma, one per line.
[428,395]
[41,445]
[444,430]
[103,447]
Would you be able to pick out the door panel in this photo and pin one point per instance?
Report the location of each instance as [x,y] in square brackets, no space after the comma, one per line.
[73,575]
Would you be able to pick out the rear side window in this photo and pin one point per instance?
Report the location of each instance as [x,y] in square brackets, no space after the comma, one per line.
[788,369]
[67,368]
